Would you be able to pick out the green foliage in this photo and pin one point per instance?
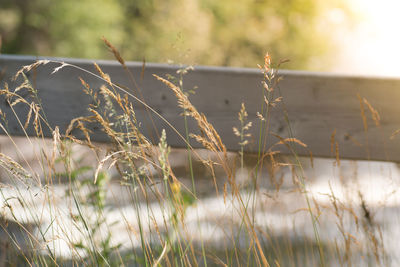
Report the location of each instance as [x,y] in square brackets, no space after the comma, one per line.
[189,31]
[64,28]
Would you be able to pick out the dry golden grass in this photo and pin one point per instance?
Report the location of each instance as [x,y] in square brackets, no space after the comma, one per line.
[164,204]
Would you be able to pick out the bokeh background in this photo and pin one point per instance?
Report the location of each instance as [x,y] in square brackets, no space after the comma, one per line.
[204,32]
[352,36]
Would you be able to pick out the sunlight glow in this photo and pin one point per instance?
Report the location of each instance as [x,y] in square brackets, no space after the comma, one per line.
[372,45]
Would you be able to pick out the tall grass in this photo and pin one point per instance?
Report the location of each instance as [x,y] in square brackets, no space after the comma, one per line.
[134,209]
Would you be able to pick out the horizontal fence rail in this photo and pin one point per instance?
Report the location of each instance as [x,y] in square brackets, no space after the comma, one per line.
[316,105]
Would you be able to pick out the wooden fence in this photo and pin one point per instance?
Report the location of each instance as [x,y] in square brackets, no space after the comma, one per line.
[317,104]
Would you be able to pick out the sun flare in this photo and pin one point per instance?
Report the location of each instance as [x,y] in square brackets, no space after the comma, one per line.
[372,45]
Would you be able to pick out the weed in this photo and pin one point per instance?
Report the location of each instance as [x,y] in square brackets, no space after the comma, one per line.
[132,209]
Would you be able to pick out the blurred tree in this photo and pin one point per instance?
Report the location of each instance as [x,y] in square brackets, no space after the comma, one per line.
[70,28]
[189,31]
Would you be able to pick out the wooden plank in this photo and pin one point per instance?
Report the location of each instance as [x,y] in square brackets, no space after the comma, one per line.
[316,103]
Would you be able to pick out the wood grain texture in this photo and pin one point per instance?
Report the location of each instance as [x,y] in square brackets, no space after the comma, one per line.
[316,105]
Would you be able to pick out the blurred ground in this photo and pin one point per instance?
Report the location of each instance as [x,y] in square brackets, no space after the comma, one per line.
[356,184]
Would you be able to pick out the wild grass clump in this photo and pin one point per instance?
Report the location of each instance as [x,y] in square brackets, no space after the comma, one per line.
[135,208]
